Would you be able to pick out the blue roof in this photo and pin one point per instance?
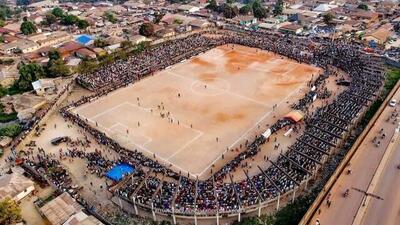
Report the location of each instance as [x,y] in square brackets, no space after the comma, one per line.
[119,171]
[84,39]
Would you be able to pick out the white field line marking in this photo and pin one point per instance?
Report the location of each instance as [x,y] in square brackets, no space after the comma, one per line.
[185,145]
[245,133]
[222,90]
[111,133]
[144,149]
[149,139]
[108,110]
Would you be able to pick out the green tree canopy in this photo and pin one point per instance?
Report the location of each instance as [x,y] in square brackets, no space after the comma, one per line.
[10,213]
[328,17]
[58,12]
[212,5]
[50,18]
[110,16]
[146,29]
[28,73]
[54,54]
[27,27]
[69,20]
[245,10]
[100,43]
[5,12]
[158,17]
[228,11]
[278,8]
[11,130]
[82,24]
[57,68]
[362,6]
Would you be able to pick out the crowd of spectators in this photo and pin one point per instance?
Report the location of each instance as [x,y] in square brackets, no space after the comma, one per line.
[324,129]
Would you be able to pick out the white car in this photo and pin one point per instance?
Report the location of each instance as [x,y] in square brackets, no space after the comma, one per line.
[393,102]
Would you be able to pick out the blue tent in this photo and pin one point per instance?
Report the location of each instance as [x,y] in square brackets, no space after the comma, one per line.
[119,171]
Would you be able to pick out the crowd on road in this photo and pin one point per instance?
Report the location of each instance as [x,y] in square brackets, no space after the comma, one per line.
[325,129]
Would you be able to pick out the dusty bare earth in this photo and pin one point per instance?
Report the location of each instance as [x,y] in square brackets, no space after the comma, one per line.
[191,113]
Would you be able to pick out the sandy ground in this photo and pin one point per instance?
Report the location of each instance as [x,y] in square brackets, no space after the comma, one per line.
[364,165]
[191,113]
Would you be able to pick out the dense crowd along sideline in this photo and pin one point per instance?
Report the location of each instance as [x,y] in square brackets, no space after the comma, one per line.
[168,191]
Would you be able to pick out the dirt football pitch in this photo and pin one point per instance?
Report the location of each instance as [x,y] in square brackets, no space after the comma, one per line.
[191,113]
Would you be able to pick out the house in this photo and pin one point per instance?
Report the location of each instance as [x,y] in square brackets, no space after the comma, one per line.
[66,211]
[360,14]
[112,48]
[43,86]
[85,53]
[324,8]
[291,28]
[199,24]
[137,39]
[379,36]
[245,20]
[46,4]
[51,38]
[267,26]
[82,218]
[165,33]
[23,45]
[15,185]
[69,48]
[188,8]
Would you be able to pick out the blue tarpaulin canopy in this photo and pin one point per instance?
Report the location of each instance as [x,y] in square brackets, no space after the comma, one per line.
[119,171]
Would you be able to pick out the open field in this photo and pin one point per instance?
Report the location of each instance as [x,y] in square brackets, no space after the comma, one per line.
[190,114]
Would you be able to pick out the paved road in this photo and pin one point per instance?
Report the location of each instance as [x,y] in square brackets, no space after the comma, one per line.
[364,165]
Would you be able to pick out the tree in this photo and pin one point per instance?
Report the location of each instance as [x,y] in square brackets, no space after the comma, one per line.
[278,8]
[212,5]
[100,43]
[27,27]
[258,10]
[28,73]
[146,29]
[57,68]
[362,6]
[228,11]
[11,130]
[87,66]
[10,213]
[110,16]
[178,21]
[5,12]
[158,17]
[54,54]
[328,17]
[126,44]
[82,24]
[50,18]
[245,10]
[69,20]
[2,23]
[58,12]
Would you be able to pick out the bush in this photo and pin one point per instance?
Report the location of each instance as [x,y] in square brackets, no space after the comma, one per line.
[11,130]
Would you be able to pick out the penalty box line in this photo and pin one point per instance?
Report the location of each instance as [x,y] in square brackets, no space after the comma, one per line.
[144,149]
[166,160]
